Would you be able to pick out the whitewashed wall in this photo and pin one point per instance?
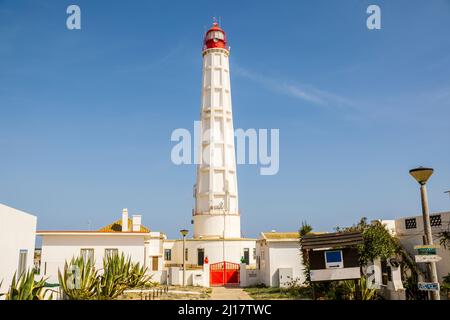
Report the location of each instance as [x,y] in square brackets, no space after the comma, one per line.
[56,249]
[17,232]
[276,255]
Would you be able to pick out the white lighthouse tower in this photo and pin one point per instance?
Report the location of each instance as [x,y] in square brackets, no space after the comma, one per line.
[216,213]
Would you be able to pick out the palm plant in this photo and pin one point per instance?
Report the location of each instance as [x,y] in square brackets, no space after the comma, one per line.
[26,288]
[78,281]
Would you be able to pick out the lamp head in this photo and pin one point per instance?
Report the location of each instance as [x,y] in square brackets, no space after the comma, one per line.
[421,174]
[184,232]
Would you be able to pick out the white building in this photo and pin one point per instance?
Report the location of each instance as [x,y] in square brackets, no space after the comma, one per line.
[410,232]
[279,259]
[126,235]
[17,239]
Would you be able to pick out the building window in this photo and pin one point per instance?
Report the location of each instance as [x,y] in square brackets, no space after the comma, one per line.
[109,253]
[435,220]
[167,254]
[246,255]
[200,256]
[22,262]
[254,253]
[410,223]
[155,263]
[186,254]
[87,254]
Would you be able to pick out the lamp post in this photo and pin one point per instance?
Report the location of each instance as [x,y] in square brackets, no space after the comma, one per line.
[184,233]
[422,175]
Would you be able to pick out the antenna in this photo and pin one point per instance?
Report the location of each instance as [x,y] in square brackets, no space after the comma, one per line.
[220,21]
[89,224]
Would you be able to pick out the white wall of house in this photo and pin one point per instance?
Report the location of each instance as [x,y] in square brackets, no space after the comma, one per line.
[274,255]
[17,232]
[60,247]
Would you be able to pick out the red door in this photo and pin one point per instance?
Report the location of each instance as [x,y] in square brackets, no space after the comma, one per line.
[223,273]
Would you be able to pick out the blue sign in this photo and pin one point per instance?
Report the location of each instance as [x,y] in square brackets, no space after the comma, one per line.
[428,286]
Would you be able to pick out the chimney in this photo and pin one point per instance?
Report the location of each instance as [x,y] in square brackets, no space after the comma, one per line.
[124,220]
[136,223]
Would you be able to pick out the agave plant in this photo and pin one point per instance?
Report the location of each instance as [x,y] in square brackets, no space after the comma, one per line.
[138,277]
[114,279]
[119,274]
[79,279]
[26,288]
[364,293]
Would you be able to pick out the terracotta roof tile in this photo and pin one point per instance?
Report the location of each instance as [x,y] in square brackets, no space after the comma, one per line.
[116,226]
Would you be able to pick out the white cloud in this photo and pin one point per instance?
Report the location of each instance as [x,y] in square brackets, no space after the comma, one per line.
[304,92]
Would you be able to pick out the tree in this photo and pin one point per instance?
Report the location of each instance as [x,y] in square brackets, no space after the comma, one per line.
[304,229]
[377,241]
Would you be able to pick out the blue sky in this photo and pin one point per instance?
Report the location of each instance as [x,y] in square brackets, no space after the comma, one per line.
[86,116]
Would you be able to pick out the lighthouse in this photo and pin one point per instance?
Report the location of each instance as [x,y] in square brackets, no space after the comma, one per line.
[216,211]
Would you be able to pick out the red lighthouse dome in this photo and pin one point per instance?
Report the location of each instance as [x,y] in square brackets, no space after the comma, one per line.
[215,38]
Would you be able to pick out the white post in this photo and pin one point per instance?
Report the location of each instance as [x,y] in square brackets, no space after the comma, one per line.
[206,274]
[243,275]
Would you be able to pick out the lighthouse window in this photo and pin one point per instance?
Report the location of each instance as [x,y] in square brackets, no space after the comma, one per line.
[215,34]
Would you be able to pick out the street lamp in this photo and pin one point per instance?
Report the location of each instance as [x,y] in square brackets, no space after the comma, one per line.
[184,233]
[422,175]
